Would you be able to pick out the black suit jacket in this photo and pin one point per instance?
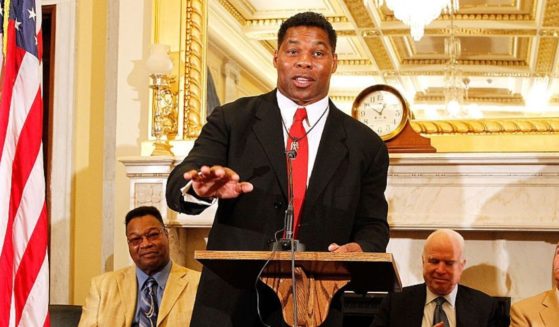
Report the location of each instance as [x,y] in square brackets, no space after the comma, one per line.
[405,309]
[344,201]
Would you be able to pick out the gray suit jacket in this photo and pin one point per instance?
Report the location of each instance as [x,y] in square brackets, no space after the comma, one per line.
[344,201]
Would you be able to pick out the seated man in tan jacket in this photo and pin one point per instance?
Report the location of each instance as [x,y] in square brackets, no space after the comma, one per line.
[153,292]
[540,310]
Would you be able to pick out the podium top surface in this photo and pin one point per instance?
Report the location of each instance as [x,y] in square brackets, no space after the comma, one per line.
[299,256]
[368,270]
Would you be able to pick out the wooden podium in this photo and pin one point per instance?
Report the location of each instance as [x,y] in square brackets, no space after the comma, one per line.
[319,275]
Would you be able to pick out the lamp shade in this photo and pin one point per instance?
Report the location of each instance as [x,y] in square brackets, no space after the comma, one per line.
[158,61]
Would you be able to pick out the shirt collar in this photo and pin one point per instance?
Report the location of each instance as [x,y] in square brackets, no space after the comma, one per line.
[450,297]
[160,276]
[288,108]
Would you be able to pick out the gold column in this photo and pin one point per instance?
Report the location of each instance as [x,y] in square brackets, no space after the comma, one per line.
[195,22]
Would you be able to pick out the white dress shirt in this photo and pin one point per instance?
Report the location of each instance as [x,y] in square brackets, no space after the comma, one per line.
[449,307]
[316,114]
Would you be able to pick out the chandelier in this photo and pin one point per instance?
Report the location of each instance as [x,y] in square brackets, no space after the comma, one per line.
[456,90]
[417,14]
[454,93]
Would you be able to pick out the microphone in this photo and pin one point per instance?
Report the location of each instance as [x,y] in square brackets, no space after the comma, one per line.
[291,154]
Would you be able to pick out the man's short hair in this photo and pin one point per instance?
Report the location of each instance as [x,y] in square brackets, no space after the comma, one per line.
[308,18]
[143,211]
[453,235]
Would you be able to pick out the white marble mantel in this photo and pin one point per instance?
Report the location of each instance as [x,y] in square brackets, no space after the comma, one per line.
[489,191]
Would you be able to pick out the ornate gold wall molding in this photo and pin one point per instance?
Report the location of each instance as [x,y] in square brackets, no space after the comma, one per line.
[463,31]
[359,13]
[233,11]
[475,95]
[355,62]
[467,62]
[551,17]
[404,72]
[379,52]
[546,54]
[487,126]
[477,17]
[489,17]
[195,24]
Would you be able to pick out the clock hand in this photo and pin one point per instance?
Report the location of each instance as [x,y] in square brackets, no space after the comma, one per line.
[375,110]
[382,109]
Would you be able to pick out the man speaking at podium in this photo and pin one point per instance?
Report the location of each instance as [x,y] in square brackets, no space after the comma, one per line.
[257,154]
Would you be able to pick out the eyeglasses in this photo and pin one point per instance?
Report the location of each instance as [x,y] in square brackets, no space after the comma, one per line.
[151,236]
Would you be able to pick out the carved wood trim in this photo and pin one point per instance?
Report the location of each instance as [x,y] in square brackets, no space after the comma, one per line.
[195,30]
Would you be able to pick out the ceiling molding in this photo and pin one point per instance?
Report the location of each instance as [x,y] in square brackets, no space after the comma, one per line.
[255,59]
[551,17]
[546,55]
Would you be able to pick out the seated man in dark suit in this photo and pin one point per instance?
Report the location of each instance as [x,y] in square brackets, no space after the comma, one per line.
[440,301]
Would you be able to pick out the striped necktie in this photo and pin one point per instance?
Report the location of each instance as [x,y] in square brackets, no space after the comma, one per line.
[148,304]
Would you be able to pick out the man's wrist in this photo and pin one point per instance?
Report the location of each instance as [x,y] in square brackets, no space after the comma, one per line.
[201,198]
[190,196]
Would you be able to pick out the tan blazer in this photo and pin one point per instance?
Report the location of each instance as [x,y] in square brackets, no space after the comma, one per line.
[536,311]
[112,298]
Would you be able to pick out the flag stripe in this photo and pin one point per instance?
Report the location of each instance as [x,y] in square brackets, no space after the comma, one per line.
[29,211]
[7,129]
[7,272]
[27,146]
[6,160]
[9,72]
[30,266]
[33,315]
[28,214]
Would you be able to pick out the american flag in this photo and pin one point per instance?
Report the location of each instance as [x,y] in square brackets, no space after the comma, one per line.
[24,269]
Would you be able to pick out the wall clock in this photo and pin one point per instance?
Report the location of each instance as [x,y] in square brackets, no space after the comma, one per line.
[384,109]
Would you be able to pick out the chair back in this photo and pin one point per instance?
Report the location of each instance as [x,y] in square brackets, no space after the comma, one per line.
[64,315]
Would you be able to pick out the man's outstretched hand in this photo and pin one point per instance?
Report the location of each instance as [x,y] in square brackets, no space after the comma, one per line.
[217,182]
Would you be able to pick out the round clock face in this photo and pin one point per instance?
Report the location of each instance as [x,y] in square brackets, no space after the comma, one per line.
[383,109]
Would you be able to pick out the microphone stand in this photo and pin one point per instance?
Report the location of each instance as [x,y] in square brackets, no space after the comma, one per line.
[288,242]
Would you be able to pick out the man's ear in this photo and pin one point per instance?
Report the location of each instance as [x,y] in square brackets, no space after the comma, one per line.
[275,60]
[335,63]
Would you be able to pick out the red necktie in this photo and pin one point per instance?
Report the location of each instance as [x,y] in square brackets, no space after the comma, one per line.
[297,140]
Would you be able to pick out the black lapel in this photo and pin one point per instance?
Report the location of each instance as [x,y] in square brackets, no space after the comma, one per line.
[414,309]
[331,151]
[465,308]
[268,131]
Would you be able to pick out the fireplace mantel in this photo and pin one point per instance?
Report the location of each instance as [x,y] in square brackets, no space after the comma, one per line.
[488,191]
